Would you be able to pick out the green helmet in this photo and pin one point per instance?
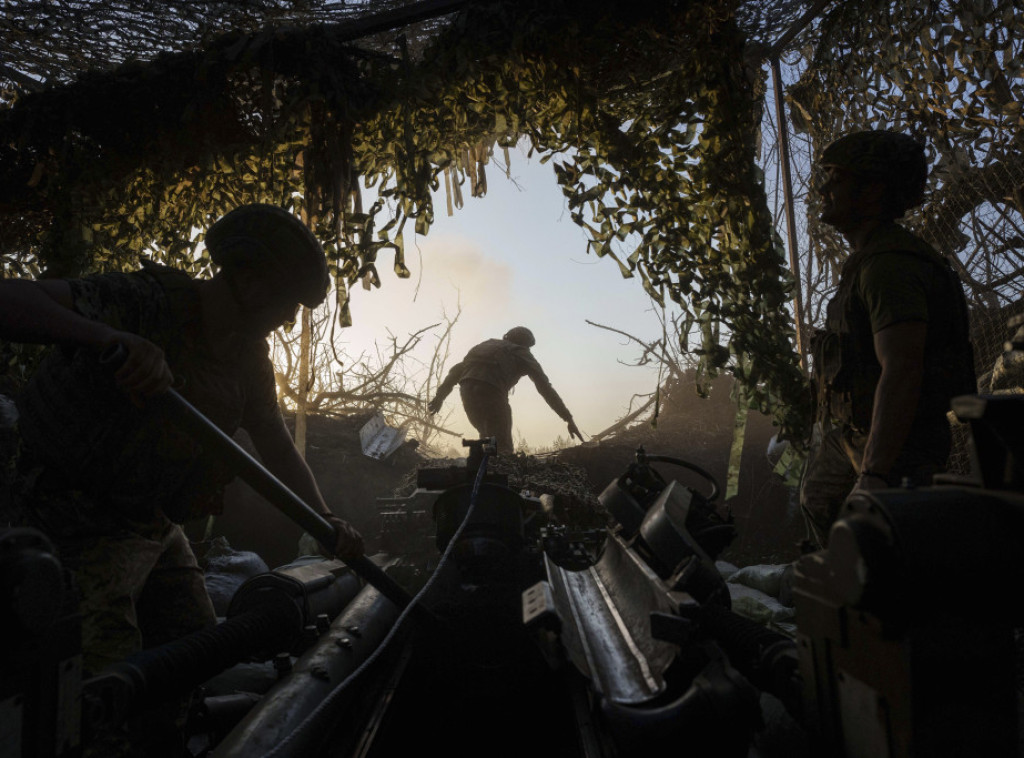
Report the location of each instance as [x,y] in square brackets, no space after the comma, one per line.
[894,158]
[272,240]
[521,336]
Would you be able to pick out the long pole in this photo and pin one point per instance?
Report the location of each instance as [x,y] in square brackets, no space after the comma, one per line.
[784,159]
[787,191]
[302,406]
[273,489]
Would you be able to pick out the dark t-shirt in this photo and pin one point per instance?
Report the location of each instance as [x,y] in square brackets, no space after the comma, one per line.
[234,389]
[896,277]
[894,288]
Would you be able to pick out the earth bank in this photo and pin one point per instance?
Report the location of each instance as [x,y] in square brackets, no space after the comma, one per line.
[695,429]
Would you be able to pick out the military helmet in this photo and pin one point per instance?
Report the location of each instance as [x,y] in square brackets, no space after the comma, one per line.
[268,238]
[896,159]
[521,336]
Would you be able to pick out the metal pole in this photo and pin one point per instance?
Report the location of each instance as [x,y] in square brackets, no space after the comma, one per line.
[787,189]
[301,407]
[790,34]
[270,487]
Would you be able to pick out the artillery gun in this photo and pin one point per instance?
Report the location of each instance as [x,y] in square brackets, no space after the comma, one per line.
[509,627]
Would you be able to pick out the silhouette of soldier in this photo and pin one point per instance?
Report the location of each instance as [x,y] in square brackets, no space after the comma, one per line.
[896,344]
[486,376]
[109,481]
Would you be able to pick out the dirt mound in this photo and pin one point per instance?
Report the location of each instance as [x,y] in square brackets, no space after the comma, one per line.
[536,475]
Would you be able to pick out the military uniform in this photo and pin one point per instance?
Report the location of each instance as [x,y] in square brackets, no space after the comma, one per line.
[109,482]
[486,376]
[895,277]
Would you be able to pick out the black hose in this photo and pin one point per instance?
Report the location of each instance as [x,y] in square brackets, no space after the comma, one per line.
[692,466]
[297,742]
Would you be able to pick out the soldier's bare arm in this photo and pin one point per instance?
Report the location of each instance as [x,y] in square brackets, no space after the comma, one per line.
[900,351]
[275,446]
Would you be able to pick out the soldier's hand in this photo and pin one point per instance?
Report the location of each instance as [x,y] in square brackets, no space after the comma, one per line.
[348,543]
[574,431]
[144,371]
[434,406]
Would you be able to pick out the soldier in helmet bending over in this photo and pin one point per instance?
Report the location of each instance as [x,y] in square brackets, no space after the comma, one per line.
[486,376]
[110,481]
[896,344]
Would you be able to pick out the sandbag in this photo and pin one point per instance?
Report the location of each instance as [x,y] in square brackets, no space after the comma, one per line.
[226,569]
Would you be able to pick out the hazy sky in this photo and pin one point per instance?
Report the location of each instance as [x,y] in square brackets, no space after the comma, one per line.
[514,257]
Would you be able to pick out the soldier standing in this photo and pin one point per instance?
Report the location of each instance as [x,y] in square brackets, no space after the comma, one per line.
[896,345]
[108,480]
[486,376]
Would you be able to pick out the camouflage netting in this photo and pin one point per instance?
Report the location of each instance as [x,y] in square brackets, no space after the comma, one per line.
[651,117]
[951,74]
[125,127]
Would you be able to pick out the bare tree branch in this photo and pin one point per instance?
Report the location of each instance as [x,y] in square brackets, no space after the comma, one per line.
[390,379]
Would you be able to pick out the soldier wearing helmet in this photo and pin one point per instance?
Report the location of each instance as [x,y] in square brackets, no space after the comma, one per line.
[895,347]
[487,375]
[110,483]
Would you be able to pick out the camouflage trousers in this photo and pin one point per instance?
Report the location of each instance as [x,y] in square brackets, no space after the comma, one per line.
[488,411]
[138,581]
[835,461]
[138,589]
[139,586]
